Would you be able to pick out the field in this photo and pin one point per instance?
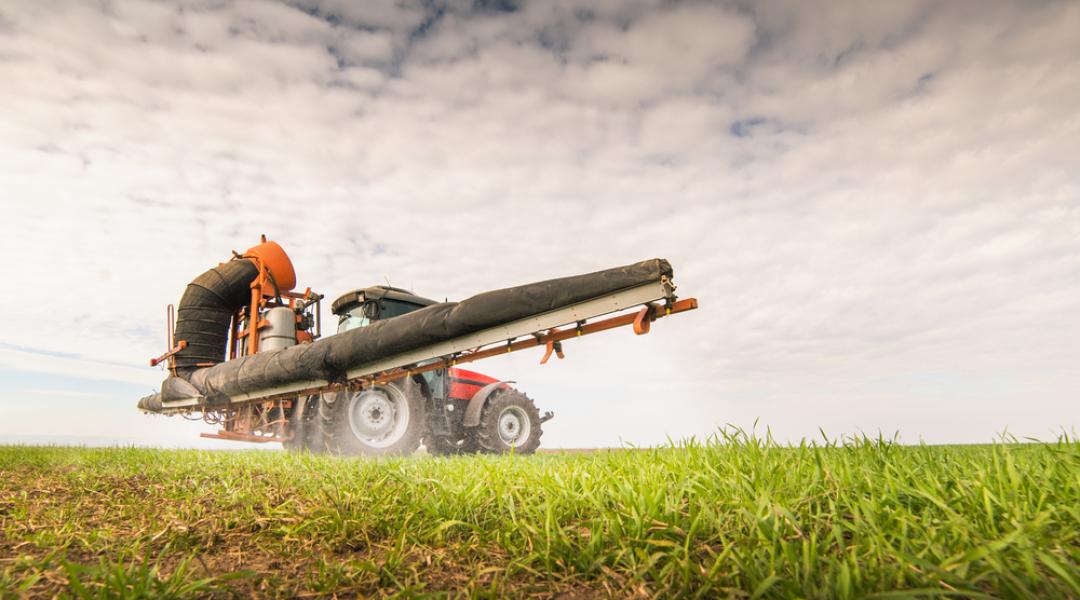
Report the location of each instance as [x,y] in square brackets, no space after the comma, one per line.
[735,516]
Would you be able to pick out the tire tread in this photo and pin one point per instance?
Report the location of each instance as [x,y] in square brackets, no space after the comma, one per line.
[487,433]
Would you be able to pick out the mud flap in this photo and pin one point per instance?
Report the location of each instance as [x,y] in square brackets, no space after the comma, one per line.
[479,400]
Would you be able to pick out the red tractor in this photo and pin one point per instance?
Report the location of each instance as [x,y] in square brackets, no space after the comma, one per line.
[450,410]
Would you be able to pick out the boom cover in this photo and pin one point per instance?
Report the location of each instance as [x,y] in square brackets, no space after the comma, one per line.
[329,358]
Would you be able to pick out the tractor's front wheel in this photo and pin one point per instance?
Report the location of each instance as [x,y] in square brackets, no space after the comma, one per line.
[382,420]
[509,423]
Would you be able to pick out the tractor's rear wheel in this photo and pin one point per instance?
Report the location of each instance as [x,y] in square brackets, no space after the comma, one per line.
[382,420]
[509,423]
[441,445]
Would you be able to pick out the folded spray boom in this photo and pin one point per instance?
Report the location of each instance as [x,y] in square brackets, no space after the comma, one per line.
[243,337]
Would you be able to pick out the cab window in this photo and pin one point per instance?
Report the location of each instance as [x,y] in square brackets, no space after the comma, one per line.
[362,315]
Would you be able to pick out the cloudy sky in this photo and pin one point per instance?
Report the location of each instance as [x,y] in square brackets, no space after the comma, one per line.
[876,203]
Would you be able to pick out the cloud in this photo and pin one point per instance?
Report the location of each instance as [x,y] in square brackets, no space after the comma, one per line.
[53,394]
[29,360]
[685,49]
[861,195]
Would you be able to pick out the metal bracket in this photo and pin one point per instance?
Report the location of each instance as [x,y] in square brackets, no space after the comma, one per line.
[552,346]
[172,352]
[645,317]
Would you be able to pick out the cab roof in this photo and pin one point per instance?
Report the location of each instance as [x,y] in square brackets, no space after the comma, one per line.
[376,292]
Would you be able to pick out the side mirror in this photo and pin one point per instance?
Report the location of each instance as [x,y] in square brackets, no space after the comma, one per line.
[371,310]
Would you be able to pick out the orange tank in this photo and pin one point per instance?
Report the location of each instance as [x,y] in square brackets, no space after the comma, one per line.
[273,257]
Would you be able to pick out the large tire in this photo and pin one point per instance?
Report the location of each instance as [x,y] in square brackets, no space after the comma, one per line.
[384,420]
[509,423]
[440,445]
[303,426]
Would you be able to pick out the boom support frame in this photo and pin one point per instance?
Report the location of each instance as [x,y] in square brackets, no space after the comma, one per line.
[539,330]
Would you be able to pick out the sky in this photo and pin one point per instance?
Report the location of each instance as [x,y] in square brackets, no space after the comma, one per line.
[877,204]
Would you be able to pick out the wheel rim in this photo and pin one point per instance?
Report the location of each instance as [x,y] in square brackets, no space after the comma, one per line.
[514,426]
[379,416]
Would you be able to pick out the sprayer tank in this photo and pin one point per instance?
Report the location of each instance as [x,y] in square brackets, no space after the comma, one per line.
[281,333]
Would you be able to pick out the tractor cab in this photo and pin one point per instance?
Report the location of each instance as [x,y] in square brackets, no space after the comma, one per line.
[362,306]
[390,416]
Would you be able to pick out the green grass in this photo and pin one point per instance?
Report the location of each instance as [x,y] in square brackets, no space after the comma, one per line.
[736,516]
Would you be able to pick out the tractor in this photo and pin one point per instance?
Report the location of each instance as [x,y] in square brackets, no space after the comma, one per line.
[245,350]
[450,410]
